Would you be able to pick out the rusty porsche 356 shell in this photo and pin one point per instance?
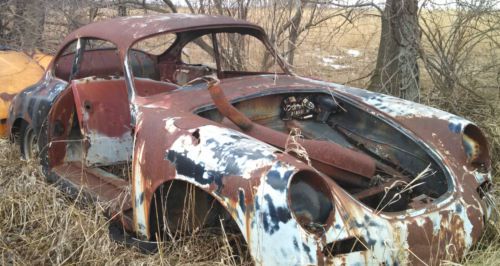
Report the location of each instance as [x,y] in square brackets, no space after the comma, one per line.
[370,179]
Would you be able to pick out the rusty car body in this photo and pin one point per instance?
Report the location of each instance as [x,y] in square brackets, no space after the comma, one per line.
[18,70]
[374,179]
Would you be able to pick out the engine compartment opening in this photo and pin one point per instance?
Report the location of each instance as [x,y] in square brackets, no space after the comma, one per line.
[404,176]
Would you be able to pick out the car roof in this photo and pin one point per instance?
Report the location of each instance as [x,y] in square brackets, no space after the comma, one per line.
[124,31]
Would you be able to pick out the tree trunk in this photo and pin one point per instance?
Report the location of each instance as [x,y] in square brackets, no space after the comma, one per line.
[39,28]
[3,22]
[122,9]
[397,72]
[294,31]
[19,24]
[170,5]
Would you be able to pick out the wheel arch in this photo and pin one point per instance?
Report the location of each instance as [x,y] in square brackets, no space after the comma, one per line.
[16,128]
[210,203]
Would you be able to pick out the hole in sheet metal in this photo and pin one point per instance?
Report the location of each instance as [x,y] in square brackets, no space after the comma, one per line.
[196,135]
[87,105]
[484,188]
[345,246]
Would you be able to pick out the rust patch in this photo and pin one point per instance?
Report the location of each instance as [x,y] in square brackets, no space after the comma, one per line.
[7,96]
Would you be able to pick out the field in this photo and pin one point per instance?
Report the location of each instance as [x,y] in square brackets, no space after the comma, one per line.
[40,225]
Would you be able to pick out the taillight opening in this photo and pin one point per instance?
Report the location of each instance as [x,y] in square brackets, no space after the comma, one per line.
[476,148]
[311,201]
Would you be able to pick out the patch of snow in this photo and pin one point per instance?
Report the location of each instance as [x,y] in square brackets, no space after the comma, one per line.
[335,66]
[330,60]
[353,53]
[327,60]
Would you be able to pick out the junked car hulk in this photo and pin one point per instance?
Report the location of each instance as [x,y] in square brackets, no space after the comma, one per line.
[17,71]
[141,111]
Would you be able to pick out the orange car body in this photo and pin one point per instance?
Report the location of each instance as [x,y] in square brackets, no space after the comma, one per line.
[18,70]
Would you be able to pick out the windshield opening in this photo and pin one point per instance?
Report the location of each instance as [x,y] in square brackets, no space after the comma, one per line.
[165,62]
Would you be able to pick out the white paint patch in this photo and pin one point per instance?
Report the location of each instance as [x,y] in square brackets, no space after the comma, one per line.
[106,150]
[287,244]
[140,210]
[170,124]
[222,150]
[467,229]
[159,18]
[391,105]
[481,177]
[187,15]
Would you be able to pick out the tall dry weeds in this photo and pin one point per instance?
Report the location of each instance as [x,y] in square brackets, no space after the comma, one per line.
[39,225]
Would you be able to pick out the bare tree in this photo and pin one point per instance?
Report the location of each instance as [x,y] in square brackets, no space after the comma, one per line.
[22,24]
[397,70]
[122,8]
[290,21]
[462,51]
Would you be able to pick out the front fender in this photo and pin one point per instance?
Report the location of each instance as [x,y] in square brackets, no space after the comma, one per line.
[248,177]
[33,104]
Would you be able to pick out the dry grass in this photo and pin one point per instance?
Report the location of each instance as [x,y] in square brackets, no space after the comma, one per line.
[293,146]
[347,56]
[39,225]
